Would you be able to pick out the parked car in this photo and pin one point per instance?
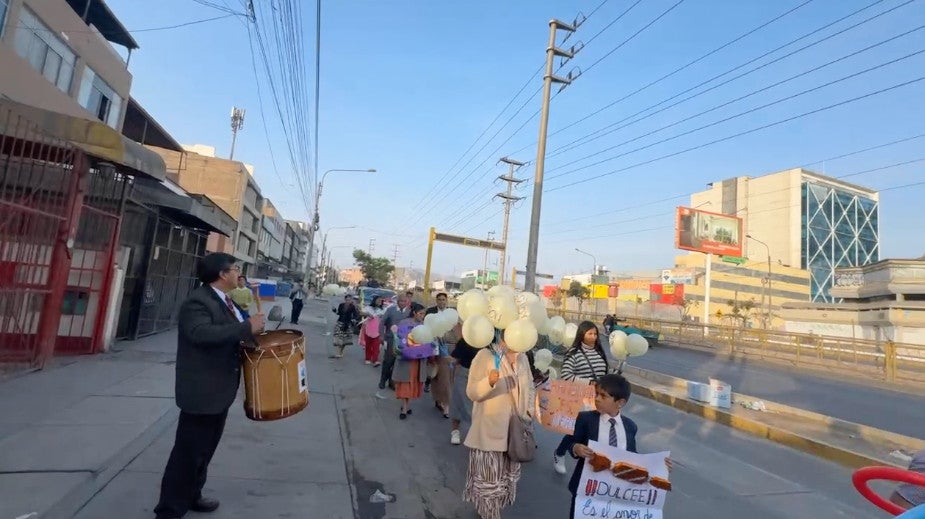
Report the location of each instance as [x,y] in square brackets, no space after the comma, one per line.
[650,336]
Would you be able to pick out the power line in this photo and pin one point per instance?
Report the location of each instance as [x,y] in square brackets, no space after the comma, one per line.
[635,34]
[675,71]
[732,117]
[610,127]
[746,132]
[836,157]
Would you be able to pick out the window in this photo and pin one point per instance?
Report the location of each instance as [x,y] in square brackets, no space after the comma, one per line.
[4,7]
[99,98]
[39,45]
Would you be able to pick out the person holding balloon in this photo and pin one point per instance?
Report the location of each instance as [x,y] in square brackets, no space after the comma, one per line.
[585,361]
[408,375]
[500,385]
[370,331]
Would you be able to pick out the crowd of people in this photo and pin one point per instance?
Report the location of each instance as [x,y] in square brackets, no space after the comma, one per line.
[481,387]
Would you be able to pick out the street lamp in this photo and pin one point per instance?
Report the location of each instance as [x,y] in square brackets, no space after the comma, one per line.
[324,242]
[594,267]
[768,285]
[316,217]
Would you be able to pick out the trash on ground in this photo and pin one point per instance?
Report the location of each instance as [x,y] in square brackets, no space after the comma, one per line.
[754,405]
[379,497]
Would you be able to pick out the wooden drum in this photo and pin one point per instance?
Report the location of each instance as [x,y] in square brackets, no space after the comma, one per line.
[275,377]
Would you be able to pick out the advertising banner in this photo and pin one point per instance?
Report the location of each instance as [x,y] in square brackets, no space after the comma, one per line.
[710,233]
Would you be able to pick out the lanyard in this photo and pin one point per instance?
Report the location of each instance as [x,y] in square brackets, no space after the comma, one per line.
[497,355]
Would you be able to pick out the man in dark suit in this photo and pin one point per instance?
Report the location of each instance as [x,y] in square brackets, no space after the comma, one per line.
[211,333]
[606,424]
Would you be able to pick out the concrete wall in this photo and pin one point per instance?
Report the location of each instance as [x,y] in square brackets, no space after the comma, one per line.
[26,85]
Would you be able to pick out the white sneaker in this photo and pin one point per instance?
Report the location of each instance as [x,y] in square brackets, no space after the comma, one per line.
[368,363]
[379,395]
[454,438]
[559,464]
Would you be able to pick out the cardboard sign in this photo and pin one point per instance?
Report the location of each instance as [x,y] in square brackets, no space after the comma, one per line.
[601,494]
[560,401]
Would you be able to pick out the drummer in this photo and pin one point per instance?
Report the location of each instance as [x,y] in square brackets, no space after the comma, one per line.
[211,330]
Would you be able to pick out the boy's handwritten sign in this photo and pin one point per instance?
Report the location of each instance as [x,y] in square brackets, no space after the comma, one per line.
[560,401]
[601,495]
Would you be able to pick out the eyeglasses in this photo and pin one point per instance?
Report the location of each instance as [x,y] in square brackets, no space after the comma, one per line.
[233,268]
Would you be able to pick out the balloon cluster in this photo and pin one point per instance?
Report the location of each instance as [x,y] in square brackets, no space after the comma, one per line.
[333,289]
[435,325]
[521,315]
[623,345]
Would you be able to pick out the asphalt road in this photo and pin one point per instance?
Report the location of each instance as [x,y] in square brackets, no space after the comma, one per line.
[719,472]
[848,397]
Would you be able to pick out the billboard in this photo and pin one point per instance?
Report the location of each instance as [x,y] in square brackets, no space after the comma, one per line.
[710,233]
[666,293]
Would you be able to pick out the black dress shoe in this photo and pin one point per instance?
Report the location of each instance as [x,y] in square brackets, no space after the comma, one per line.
[204,504]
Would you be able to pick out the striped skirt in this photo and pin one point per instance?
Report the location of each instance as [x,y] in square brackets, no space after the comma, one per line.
[491,483]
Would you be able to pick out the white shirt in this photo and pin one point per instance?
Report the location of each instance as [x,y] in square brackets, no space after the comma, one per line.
[222,296]
[603,433]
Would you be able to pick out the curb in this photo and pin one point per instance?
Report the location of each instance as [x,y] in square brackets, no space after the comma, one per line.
[78,497]
[814,446]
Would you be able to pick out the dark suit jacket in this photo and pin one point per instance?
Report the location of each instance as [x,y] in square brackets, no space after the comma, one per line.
[587,427]
[208,353]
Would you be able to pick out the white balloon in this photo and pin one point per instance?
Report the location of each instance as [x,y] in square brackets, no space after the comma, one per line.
[421,334]
[502,311]
[618,341]
[553,374]
[568,336]
[556,324]
[478,331]
[501,290]
[538,314]
[520,335]
[432,321]
[330,289]
[450,317]
[636,345]
[472,304]
[542,359]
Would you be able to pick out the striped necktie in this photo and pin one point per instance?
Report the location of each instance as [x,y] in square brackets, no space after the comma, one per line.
[230,305]
[613,433]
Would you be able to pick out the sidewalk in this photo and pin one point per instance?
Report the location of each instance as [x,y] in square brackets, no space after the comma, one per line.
[93,434]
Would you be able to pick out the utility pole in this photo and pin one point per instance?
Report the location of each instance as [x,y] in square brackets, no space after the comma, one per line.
[485,266]
[548,79]
[395,254]
[237,124]
[372,246]
[509,200]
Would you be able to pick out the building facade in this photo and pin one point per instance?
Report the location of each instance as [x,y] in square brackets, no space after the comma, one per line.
[232,187]
[808,221]
[60,56]
[270,244]
[883,301]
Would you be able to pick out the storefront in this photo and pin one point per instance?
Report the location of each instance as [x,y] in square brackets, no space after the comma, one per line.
[164,233]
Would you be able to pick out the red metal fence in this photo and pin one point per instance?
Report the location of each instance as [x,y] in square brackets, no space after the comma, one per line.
[59,224]
[41,182]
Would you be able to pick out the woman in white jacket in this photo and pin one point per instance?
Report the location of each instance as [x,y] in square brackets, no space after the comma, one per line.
[495,376]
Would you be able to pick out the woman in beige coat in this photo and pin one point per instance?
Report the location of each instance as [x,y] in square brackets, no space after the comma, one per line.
[499,379]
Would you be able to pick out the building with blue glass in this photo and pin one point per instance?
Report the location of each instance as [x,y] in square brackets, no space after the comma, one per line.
[801,219]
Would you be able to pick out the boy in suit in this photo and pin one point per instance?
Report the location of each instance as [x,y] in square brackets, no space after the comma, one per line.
[605,424]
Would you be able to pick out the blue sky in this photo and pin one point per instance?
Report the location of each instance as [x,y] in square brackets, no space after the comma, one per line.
[407,86]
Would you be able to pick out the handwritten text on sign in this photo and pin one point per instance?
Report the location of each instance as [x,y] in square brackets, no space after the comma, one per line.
[560,401]
[603,495]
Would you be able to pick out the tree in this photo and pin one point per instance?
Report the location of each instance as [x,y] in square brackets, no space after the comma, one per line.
[377,269]
[579,292]
[741,310]
[685,307]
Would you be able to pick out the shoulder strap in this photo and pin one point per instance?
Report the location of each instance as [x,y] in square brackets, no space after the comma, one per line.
[587,360]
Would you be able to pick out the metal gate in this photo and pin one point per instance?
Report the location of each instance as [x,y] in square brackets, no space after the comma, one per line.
[41,195]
